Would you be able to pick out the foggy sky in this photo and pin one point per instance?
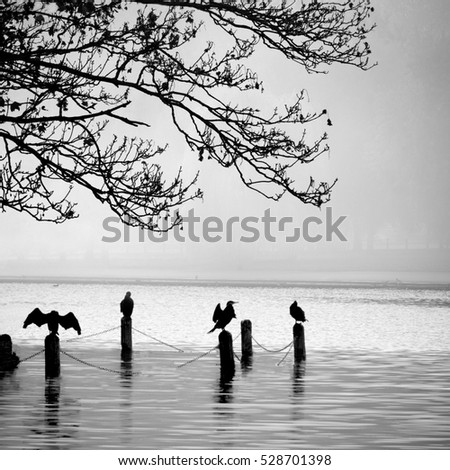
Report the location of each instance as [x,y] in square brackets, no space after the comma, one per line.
[389,149]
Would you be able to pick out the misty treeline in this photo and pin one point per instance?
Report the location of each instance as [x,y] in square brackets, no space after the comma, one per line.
[69,69]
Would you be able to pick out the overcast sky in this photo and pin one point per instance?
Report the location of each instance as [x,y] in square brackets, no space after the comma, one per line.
[389,149]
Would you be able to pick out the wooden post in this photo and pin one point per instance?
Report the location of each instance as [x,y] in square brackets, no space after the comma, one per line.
[299,343]
[246,339]
[226,352]
[8,359]
[52,360]
[126,338]
[5,345]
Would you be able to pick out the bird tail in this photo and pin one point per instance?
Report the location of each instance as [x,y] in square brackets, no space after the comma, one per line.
[210,331]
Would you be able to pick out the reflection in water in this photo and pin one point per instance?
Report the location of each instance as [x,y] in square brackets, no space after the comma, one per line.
[58,422]
[51,410]
[126,368]
[126,382]
[299,404]
[223,412]
[298,389]
[345,400]
[224,392]
[8,382]
[246,364]
[9,387]
[298,372]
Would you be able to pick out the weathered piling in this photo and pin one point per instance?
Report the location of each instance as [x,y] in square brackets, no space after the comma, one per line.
[226,352]
[5,345]
[126,337]
[8,359]
[246,339]
[52,359]
[299,343]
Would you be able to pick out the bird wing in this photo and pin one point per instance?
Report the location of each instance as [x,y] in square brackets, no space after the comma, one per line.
[70,321]
[292,310]
[126,305]
[302,314]
[36,317]
[217,313]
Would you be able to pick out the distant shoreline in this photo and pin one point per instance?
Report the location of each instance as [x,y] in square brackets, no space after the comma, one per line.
[397,284]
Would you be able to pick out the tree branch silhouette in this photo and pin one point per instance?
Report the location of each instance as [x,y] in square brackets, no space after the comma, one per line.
[68,68]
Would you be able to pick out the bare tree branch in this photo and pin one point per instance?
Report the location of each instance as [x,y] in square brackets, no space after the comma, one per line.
[67,68]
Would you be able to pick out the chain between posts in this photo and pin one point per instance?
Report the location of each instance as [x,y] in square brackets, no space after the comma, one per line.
[31,357]
[198,357]
[156,339]
[106,369]
[270,350]
[234,340]
[286,355]
[93,334]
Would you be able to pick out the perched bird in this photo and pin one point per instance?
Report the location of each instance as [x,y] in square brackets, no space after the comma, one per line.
[127,305]
[53,320]
[221,318]
[297,312]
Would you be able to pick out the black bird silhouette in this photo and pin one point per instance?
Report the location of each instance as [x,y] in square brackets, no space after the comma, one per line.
[127,305]
[221,318]
[53,320]
[297,312]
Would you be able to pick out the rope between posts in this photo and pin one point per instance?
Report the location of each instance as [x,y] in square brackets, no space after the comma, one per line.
[156,339]
[198,357]
[106,369]
[93,334]
[235,355]
[31,357]
[270,350]
[286,355]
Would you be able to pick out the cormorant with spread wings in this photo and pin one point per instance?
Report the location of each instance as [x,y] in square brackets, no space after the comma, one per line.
[221,318]
[53,320]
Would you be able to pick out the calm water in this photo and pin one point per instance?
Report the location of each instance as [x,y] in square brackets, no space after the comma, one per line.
[376,376]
